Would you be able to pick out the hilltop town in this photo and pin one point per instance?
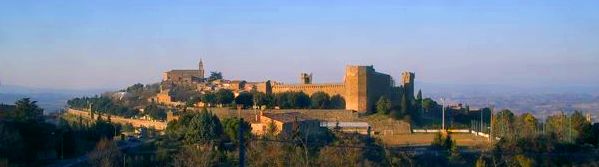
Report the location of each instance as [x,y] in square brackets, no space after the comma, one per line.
[359,89]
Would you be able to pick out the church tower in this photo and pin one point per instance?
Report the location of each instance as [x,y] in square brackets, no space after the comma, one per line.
[201,69]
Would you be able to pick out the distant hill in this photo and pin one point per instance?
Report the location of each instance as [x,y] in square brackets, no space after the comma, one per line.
[497,89]
[51,100]
[541,101]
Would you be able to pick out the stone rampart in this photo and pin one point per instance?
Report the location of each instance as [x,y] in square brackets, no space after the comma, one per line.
[121,120]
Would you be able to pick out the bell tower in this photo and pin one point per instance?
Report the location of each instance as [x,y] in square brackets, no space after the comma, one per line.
[201,69]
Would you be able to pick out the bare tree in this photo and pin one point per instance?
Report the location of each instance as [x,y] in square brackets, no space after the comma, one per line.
[106,154]
[195,156]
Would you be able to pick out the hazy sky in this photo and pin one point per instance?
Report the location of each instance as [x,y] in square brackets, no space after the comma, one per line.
[111,44]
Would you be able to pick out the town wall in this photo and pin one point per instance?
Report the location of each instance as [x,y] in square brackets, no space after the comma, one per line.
[331,89]
[121,120]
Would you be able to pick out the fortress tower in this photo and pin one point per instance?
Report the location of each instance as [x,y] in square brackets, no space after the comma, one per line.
[355,88]
[407,82]
[306,78]
[364,86]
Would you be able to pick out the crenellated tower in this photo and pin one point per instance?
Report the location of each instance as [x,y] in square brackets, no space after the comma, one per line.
[306,78]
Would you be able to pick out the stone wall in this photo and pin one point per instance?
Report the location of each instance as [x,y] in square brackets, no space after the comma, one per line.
[331,89]
[120,120]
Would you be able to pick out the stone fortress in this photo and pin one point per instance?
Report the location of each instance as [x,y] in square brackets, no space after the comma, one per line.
[361,87]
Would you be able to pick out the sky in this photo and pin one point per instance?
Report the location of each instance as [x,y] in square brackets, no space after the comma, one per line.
[111,44]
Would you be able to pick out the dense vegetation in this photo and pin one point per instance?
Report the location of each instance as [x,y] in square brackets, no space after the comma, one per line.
[27,139]
[125,103]
[408,108]
[205,141]
[525,141]
[284,100]
[102,105]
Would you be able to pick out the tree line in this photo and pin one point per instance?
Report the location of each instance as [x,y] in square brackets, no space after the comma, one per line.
[408,108]
[102,105]
[207,140]
[284,100]
[527,141]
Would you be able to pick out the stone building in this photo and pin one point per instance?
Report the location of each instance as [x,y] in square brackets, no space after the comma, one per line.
[185,75]
[283,123]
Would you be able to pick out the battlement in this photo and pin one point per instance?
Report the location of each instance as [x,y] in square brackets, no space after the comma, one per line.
[331,89]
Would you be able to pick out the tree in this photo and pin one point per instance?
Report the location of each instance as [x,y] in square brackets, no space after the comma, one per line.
[320,100]
[231,129]
[202,156]
[429,104]
[301,100]
[337,102]
[292,100]
[271,130]
[481,162]
[262,99]
[245,99]
[340,156]
[27,110]
[383,105]
[203,127]
[439,141]
[10,142]
[193,100]
[503,126]
[522,161]
[224,96]
[527,125]
[208,98]
[215,75]
[557,125]
[136,88]
[155,112]
[106,154]
[581,128]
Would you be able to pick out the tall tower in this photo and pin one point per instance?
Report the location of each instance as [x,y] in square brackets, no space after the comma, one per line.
[306,78]
[201,69]
[407,81]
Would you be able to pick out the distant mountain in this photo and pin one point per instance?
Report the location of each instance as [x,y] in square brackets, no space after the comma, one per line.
[51,100]
[13,89]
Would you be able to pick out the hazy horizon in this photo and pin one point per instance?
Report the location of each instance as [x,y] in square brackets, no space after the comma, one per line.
[113,44]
